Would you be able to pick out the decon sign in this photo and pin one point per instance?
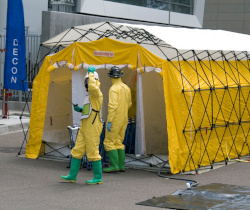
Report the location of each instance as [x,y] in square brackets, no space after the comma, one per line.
[15,58]
[14,69]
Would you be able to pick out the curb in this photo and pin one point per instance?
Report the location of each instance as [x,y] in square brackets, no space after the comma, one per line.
[10,128]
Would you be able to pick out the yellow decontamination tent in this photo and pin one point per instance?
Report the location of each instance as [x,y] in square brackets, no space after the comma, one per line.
[191,96]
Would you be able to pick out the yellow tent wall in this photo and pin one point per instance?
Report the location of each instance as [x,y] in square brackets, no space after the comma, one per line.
[39,103]
[207,108]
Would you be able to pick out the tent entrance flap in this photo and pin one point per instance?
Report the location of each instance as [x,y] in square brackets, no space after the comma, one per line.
[66,87]
[59,109]
[70,88]
[156,136]
[78,93]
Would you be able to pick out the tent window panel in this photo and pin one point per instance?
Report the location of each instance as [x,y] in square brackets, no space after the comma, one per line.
[156,136]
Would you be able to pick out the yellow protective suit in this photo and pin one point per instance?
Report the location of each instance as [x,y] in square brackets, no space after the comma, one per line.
[88,138]
[119,103]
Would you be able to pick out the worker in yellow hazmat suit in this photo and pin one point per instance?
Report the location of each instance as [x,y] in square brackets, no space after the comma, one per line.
[119,103]
[88,138]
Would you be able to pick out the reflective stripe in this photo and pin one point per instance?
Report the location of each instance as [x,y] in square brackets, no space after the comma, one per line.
[87,107]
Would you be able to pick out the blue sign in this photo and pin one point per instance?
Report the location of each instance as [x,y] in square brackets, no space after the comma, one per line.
[15,57]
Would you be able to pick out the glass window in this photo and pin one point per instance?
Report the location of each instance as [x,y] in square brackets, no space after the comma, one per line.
[181,6]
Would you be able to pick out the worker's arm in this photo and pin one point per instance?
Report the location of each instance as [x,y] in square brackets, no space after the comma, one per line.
[113,103]
[129,99]
[93,88]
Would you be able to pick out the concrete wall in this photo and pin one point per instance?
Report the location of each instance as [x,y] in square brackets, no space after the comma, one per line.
[230,15]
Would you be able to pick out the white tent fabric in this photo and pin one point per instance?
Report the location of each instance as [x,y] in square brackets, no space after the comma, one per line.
[168,39]
[199,39]
[140,147]
[78,93]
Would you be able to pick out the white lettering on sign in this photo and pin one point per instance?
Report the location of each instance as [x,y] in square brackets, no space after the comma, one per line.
[104,53]
[14,69]
[15,61]
[15,51]
[15,42]
[13,79]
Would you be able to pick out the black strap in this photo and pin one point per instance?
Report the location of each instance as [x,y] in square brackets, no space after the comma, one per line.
[95,115]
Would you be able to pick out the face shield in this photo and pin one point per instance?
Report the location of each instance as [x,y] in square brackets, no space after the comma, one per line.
[86,83]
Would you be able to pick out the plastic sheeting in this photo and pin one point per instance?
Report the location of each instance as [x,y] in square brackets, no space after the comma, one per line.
[212,196]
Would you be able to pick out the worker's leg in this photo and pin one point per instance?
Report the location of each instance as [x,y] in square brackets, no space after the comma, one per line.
[77,153]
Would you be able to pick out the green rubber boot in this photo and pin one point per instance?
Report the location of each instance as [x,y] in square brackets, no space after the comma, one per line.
[113,157]
[121,158]
[97,170]
[74,168]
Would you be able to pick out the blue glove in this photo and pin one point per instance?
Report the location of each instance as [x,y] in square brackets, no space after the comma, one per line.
[109,126]
[78,108]
[91,69]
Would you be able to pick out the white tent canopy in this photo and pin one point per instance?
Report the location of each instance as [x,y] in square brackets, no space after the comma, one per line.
[166,42]
[199,39]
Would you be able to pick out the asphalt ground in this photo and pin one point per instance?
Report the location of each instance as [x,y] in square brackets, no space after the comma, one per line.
[35,184]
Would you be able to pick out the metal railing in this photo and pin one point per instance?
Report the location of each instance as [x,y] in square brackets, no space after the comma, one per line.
[32,46]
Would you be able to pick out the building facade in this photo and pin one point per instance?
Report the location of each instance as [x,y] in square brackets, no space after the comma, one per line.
[183,13]
[230,15]
[187,13]
[32,15]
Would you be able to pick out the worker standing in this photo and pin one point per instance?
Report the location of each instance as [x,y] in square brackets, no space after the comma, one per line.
[88,138]
[119,103]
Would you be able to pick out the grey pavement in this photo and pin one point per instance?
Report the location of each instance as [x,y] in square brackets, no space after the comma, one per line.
[16,120]
[35,184]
